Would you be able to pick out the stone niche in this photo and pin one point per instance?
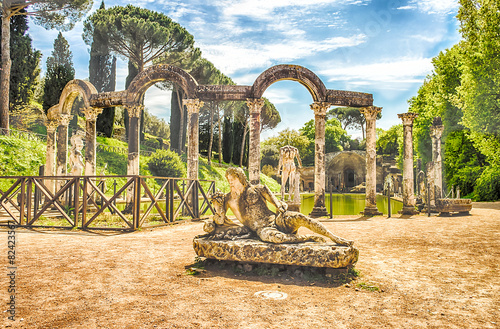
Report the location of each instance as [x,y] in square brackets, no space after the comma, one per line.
[314,254]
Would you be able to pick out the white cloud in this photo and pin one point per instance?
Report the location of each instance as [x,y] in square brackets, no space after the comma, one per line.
[231,57]
[262,9]
[432,6]
[280,96]
[405,70]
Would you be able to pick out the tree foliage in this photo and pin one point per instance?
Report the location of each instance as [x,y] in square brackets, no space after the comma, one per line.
[334,135]
[102,74]
[59,72]
[166,163]
[138,35]
[48,13]
[388,142]
[25,72]
[464,90]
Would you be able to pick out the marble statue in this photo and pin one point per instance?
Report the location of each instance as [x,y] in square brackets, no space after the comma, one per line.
[75,157]
[288,170]
[249,204]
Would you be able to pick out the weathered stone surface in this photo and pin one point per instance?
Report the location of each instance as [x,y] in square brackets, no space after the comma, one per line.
[453,205]
[408,194]
[254,251]
[370,114]
[319,109]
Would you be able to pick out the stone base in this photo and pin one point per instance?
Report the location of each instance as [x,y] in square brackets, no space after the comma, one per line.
[293,206]
[255,251]
[446,206]
[408,210]
[319,212]
[371,211]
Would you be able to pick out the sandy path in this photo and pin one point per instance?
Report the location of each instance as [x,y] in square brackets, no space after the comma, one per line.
[437,272]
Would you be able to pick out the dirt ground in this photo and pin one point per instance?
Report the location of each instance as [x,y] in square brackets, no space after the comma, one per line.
[432,272]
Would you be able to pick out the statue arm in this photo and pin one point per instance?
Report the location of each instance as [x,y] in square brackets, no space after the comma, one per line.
[280,164]
[298,158]
[269,196]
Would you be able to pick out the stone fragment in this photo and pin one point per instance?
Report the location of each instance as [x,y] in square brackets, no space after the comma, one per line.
[254,251]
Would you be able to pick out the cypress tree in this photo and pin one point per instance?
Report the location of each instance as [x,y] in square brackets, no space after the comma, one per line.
[25,64]
[59,72]
[102,74]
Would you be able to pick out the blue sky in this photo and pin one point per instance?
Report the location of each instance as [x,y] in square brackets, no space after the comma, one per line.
[374,46]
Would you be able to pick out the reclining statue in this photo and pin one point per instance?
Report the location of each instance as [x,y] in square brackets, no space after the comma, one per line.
[249,204]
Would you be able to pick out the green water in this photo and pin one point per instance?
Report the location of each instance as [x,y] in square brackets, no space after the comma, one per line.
[343,204]
[348,204]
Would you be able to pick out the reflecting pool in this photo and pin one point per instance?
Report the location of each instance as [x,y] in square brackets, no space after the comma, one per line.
[349,204]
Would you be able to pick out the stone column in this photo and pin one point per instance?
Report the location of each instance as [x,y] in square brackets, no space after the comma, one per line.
[436,134]
[319,208]
[255,107]
[193,108]
[62,145]
[50,155]
[408,181]
[370,114]
[134,114]
[91,114]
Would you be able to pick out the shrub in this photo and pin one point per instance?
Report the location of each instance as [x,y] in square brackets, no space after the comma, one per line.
[488,185]
[166,163]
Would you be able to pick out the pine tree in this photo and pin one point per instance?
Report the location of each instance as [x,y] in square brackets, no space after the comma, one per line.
[59,72]
[102,74]
[25,64]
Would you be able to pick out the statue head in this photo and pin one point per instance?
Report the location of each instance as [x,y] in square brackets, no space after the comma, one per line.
[237,173]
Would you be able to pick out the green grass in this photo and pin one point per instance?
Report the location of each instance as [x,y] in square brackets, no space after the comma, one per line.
[24,157]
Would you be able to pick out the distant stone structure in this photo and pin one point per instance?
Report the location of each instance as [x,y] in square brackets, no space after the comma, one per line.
[408,181]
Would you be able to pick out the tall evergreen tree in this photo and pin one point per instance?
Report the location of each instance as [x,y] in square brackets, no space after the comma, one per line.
[25,64]
[59,72]
[102,74]
[49,14]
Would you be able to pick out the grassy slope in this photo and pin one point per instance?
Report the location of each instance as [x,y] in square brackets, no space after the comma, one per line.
[23,158]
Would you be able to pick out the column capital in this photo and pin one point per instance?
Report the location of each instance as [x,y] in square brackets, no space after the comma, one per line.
[407,118]
[52,125]
[370,112]
[255,104]
[193,105]
[91,113]
[436,131]
[320,108]
[135,110]
[65,119]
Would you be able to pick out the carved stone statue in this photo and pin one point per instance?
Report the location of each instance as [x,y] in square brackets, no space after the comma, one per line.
[75,156]
[287,167]
[249,204]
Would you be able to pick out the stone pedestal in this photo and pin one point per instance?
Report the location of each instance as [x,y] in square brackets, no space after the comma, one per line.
[408,181]
[255,251]
[255,107]
[319,209]
[370,114]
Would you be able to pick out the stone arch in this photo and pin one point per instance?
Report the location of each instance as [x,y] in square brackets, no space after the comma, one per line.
[157,73]
[346,168]
[297,73]
[72,90]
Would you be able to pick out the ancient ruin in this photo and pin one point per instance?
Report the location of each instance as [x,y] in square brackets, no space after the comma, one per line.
[408,181]
[195,95]
[370,114]
[274,234]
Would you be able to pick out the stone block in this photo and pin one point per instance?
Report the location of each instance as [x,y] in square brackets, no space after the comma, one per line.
[254,251]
